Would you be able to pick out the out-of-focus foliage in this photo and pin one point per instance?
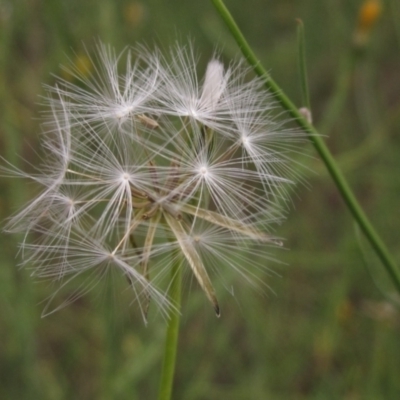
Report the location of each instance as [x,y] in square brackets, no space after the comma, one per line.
[326,332]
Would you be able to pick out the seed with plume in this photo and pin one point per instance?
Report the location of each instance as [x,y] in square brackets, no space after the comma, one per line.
[152,167]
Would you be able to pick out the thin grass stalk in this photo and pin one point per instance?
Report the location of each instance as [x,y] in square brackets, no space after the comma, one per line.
[313,135]
[171,342]
[305,94]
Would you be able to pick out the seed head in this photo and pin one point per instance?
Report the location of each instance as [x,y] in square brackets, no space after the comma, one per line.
[151,167]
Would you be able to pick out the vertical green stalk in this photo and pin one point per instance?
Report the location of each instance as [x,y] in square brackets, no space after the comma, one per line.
[394,11]
[20,291]
[326,156]
[111,342]
[302,65]
[171,342]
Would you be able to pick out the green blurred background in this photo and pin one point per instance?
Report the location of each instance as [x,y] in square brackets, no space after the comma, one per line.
[326,332]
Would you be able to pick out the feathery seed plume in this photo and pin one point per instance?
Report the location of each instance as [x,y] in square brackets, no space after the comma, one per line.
[152,166]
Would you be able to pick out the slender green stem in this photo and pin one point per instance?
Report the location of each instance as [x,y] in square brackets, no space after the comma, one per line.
[341,183]
[171,342]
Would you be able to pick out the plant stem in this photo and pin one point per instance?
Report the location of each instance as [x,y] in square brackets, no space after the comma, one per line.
[302,65]
[171,342]
[338,178]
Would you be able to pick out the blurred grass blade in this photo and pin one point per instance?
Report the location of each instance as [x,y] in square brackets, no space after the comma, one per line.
[394,301]
[302,65]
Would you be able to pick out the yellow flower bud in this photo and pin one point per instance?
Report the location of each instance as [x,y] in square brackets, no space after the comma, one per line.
[368,15]
[134,13]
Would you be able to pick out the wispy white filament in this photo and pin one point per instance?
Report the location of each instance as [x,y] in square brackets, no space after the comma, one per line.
[153,166]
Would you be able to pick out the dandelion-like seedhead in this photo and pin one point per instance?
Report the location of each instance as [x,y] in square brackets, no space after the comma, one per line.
[152,167]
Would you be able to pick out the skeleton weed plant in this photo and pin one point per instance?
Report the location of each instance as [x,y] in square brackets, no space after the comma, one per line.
[152,167]
[152,171]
